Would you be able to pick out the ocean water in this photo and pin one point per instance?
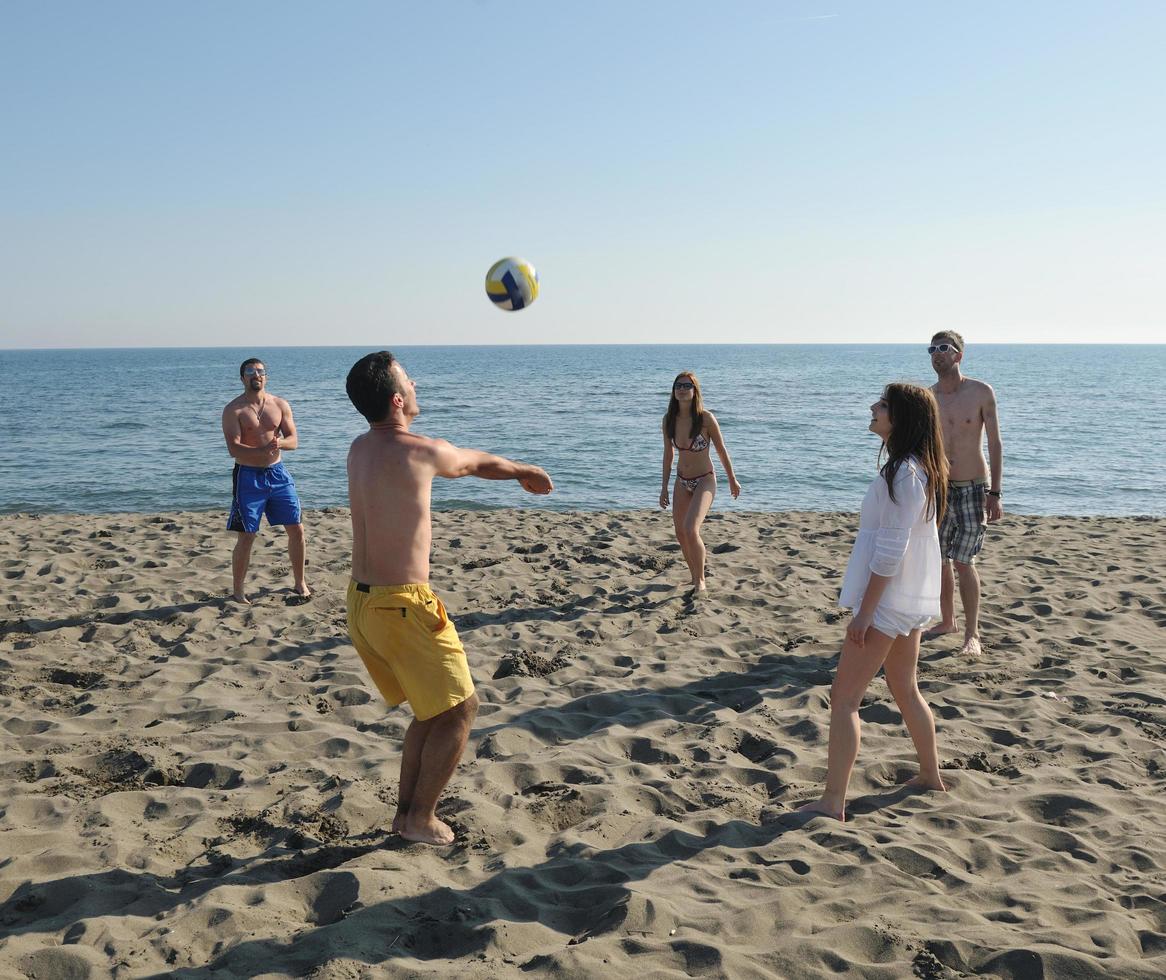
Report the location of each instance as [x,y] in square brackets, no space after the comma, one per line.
[84,431]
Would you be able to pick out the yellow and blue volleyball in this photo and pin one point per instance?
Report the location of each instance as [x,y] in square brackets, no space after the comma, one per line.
[512,284]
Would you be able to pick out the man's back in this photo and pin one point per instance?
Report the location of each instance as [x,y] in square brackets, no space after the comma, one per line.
[390,481]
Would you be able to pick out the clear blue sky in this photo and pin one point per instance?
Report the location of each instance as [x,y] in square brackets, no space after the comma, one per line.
[220,173]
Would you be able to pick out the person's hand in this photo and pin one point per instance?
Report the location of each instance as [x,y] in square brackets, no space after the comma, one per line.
[536,481]
[734,487]
[994,508]
[664,498]
[273,446]
[856,631]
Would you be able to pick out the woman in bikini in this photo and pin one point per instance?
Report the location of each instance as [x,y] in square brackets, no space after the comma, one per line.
[892,587]
[689,430]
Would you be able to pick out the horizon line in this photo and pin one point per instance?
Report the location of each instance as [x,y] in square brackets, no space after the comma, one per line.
[839,343]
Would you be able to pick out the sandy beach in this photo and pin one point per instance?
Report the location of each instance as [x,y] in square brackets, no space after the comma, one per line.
[190,787]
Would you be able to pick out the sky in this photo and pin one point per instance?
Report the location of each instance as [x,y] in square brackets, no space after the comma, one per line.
[295,173]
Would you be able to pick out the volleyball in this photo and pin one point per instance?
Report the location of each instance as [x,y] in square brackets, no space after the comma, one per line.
[512,284]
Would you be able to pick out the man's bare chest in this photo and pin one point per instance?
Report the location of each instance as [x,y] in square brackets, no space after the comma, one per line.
[257,420]
[959,414]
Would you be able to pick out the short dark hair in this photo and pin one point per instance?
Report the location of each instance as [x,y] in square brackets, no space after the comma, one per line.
[371,386]
[247,363]
[951,337]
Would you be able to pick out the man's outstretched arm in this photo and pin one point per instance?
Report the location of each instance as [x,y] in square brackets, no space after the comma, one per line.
[453,463]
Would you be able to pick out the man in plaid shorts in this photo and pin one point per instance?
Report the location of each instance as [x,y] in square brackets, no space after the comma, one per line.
[967,410]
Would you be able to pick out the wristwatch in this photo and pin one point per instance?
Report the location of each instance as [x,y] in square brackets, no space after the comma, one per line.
[994,493]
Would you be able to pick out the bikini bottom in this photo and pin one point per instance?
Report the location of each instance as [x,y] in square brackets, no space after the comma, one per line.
[691,484]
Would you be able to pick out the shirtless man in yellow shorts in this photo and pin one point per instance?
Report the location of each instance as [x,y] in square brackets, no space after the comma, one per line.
[398,626]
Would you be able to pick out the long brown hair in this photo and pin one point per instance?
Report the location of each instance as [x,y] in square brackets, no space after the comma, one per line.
[674,408]
[915,431]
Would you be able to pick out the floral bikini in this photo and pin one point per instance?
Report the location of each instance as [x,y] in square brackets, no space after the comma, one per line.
[698,445]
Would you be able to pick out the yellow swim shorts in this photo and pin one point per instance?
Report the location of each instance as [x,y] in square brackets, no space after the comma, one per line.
[409,646]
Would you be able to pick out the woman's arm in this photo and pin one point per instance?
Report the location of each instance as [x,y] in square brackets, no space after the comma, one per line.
[719,442]
[667,468]
[896,518]
[875,587]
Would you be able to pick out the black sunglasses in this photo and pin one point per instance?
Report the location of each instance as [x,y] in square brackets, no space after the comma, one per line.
[683,385]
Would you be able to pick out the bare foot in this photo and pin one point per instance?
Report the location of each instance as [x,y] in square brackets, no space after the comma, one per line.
[819,807]
[926,783]
[303,591]
[428,832]
[971,647]
[240,597]
[399,820]
[939,630]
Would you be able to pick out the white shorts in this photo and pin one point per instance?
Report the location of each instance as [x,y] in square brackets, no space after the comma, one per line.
[891,623]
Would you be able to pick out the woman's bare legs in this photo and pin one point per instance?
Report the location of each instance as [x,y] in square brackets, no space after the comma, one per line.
[689,510]
[856,669]
[681,499]
[902,679]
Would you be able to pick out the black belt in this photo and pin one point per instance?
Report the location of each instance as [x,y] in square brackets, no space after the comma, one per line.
[361,587]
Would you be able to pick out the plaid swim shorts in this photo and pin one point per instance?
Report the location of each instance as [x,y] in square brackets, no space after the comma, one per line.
[961,535]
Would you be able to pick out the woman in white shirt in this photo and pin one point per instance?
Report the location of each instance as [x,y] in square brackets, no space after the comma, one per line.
[892,586]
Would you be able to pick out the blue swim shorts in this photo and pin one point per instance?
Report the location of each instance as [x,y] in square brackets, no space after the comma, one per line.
[259,490]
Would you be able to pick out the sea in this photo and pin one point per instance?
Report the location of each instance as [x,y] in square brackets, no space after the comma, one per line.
[111,430]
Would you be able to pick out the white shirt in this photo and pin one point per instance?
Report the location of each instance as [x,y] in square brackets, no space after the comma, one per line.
[898,539]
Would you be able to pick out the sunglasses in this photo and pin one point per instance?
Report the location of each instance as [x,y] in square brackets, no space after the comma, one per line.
[942,348]
[255,373]
[683,386]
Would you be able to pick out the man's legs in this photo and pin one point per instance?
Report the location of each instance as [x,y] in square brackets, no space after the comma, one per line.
[970,596]
[432,751]
[240,559]
[295,551]
[415,736]
[946,603]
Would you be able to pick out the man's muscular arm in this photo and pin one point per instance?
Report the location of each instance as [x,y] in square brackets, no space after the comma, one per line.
[995,453]
[246,455]
[286,436]
[453,463]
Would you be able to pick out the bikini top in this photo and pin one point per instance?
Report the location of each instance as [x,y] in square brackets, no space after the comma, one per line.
[698,445]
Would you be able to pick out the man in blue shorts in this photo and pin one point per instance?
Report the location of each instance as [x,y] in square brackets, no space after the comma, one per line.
[258,427]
